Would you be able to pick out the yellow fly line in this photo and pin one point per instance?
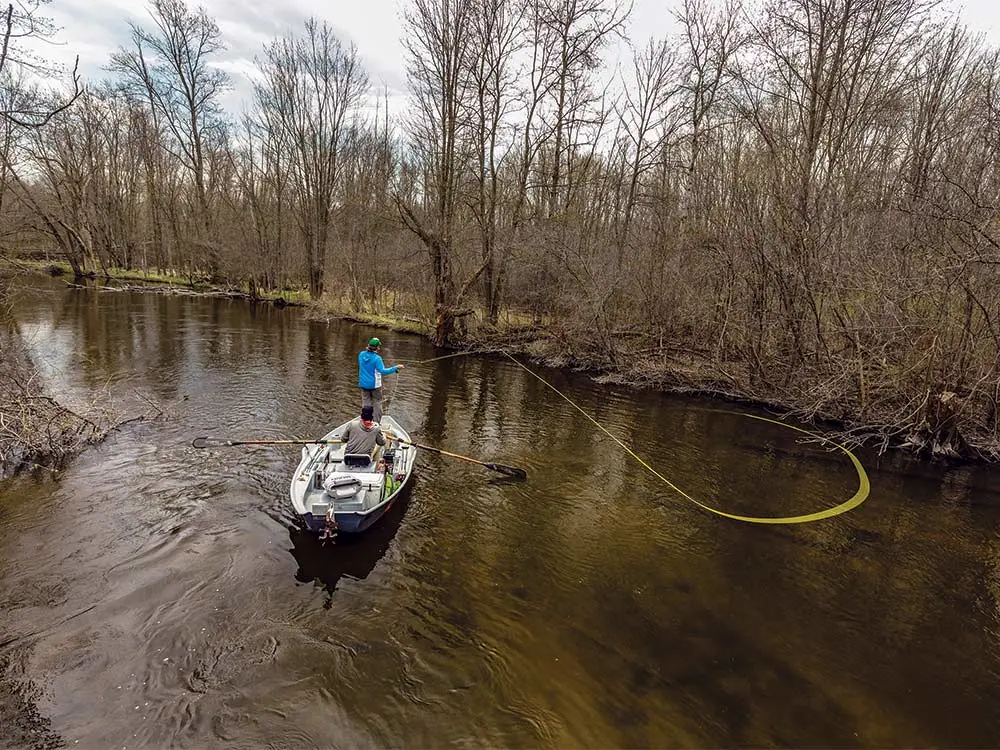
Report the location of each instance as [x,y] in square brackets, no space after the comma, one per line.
[864,487]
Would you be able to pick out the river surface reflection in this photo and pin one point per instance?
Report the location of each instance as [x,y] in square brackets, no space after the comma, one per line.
[157,595]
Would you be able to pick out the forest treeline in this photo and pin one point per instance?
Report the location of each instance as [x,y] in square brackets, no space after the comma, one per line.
[788,200]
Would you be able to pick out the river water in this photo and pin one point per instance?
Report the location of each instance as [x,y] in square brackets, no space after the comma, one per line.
[154,595]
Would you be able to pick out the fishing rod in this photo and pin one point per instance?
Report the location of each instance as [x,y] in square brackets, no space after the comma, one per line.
[448,356]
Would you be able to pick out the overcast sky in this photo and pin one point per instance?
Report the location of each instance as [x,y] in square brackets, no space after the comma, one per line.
[93,29]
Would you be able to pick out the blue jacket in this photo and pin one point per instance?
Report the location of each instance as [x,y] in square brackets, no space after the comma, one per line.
[371,368]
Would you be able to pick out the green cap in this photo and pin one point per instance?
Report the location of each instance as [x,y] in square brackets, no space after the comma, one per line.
[375,343]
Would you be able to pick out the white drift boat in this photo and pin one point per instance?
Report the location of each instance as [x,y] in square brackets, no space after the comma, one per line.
[336,492]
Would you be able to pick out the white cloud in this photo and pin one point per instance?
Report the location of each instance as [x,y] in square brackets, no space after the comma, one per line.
[93,29]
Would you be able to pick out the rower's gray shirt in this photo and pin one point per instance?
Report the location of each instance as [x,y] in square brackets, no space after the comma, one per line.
[360,439]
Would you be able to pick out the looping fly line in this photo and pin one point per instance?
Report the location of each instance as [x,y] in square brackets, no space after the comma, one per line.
[864,486]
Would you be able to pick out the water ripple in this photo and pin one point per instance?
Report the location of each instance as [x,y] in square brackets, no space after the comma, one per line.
[164,595]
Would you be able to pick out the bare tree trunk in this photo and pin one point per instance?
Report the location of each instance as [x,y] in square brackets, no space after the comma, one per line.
[576,30]
[440,47]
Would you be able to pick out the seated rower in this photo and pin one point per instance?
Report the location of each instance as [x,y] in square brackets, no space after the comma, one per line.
[362,435]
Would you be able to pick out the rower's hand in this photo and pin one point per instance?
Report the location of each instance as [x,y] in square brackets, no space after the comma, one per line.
[400,367]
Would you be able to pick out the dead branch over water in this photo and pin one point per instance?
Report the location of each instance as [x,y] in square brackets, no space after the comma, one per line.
[793,201]
[35,429]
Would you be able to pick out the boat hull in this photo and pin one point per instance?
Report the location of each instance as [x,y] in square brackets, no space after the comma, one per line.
[324,510]
[348,522]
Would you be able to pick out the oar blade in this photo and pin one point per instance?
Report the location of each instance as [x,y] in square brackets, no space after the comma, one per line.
[209,442]
[511,471]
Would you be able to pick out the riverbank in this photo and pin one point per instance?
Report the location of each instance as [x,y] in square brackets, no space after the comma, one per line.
[934,425]
[938,429]
[936,432]
[153,281]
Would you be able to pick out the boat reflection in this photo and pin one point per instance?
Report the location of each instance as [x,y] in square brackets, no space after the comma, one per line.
[351,555]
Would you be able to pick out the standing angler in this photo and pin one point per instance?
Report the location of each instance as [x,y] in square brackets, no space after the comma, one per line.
[371,368]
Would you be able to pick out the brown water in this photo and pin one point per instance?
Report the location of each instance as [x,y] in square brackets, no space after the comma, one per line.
[155,595]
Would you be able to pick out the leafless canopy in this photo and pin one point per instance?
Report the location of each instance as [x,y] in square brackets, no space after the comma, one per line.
[24,104]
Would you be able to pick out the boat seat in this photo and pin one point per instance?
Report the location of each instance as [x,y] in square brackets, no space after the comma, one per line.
[357,460]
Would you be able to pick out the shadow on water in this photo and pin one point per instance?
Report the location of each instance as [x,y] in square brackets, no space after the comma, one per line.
[351,555]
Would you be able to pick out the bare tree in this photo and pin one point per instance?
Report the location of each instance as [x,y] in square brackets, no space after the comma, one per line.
[313,84]
[22,22]
[440,45]
[171,68]
[262,200]
[645,118]
[577,31]
[377,262]
[712,37]
[817,75]
[62,157]
[498,30]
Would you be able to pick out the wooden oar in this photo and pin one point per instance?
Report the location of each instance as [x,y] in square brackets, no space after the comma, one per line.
[208,442]
[511,471]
